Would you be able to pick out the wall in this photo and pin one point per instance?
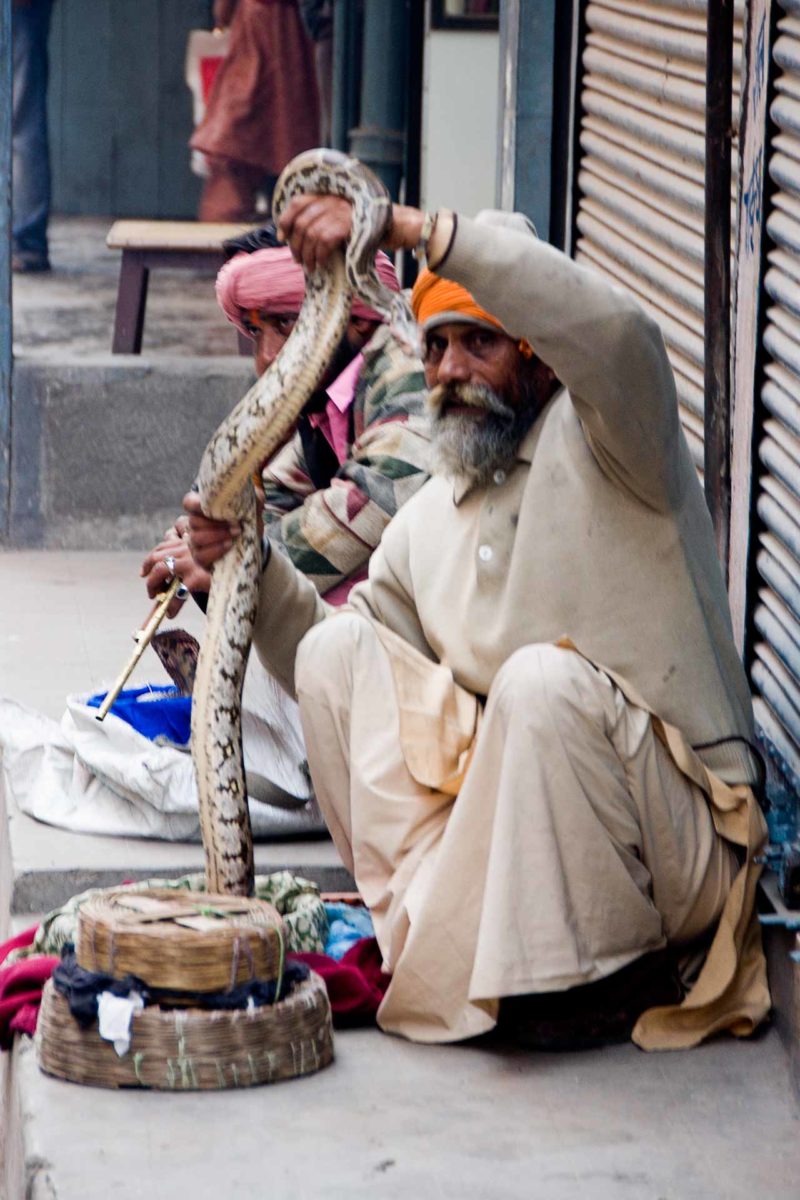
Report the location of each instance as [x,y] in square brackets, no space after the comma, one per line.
[120,112]
[535,94]
[150,419]
[5,268]
[459,120]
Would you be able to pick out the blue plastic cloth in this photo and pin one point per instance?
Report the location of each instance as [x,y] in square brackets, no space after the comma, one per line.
[153,712]
[347,924]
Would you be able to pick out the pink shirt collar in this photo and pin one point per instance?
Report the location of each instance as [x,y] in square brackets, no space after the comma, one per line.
[343,389]
[333,420]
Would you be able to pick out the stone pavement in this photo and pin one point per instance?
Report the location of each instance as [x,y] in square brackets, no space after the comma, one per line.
[388,1119]
[394,1121]
[70,310]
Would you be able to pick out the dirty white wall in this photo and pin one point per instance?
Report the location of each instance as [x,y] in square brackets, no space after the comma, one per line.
[459,119]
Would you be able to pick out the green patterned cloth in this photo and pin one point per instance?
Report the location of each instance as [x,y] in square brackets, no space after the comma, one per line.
[330,533]
[297,900]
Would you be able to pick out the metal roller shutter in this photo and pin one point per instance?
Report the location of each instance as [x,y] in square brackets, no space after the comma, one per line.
[641,171]
[776,654]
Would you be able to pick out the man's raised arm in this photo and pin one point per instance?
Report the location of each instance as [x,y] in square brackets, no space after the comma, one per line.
[596,338]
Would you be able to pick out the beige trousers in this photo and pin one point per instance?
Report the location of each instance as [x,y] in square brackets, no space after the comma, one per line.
[574,845]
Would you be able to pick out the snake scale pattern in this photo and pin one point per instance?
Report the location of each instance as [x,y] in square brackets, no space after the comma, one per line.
[257,427]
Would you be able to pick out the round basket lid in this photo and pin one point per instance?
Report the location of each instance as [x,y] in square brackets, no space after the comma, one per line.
[179,940]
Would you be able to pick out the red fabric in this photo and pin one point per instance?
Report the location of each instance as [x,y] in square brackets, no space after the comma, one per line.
[22,939]
[264,106]
[356,984]
[20,995]
[339,595]
[26,1016]
[208,73]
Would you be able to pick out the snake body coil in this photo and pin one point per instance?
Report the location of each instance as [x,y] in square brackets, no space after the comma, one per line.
[257,427]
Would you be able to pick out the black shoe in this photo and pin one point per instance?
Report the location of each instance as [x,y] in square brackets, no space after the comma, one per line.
[25,264]
[593,1014]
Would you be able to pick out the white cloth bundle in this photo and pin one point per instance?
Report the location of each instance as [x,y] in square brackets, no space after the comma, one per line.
[93,777]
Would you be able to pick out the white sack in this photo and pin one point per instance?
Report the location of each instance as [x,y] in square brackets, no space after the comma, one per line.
[93,777]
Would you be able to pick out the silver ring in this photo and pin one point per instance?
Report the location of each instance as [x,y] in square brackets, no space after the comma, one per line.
[169,563]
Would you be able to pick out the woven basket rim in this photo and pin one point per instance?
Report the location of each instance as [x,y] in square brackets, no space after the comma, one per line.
[193,1049]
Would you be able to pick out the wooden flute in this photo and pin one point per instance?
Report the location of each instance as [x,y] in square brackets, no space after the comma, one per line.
[142,638]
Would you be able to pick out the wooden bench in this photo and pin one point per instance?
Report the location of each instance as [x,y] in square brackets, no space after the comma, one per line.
[189,245]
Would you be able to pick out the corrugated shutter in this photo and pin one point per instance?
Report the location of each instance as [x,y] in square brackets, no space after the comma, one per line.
[641,172]
[776,662]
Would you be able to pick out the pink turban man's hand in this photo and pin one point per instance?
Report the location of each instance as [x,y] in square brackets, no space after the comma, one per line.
[314,226]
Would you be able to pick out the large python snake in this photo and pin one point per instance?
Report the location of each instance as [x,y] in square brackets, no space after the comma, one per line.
[257,427]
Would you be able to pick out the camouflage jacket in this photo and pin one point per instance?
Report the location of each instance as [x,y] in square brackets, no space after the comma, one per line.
[329,534]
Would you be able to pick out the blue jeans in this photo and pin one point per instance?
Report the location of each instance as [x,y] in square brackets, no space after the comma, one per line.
[30,25]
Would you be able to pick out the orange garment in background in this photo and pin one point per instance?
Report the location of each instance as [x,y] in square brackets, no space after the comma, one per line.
[264,105]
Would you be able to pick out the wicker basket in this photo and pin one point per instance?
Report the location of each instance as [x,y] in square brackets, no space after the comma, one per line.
[179,941]
[191,1049]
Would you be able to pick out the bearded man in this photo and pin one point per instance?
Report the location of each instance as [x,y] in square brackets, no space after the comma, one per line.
[529,730]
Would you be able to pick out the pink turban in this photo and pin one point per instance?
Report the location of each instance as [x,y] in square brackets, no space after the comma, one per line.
[273,282]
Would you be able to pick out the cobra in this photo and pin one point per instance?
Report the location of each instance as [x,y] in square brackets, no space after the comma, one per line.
[255,429]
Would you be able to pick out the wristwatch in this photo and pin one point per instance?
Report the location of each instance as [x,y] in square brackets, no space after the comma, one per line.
[425,235]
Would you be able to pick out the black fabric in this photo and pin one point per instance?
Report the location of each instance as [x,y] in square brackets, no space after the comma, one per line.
[321,461]
[265,238]
[317,16]
[81,989]
[591,1014]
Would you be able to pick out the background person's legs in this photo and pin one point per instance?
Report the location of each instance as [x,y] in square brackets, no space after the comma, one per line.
[230,191]
[31,154]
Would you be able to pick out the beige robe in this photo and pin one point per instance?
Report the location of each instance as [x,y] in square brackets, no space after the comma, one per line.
[599,530]
[520,853]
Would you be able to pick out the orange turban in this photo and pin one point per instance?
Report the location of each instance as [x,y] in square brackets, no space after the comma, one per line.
[437,301]
[440,300]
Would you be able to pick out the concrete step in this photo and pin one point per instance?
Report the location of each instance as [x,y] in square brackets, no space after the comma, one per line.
[104,446]
[42,867]
[69,311]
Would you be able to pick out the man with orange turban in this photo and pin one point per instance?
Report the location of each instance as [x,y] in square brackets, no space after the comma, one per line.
[530,731]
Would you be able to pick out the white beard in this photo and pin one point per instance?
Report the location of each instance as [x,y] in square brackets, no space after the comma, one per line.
[475,447]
